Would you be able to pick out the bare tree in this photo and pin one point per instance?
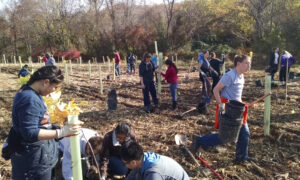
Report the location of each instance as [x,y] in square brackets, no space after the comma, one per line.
[169,7]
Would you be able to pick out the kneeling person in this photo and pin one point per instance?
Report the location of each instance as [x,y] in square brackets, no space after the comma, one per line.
[150,166]
[110,160]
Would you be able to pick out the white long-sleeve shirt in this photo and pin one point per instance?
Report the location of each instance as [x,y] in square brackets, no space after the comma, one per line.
[65,148]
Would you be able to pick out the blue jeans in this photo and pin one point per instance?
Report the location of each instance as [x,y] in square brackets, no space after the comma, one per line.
[149,87]
[173,89]
[117,69]
[116,166]
[241,153]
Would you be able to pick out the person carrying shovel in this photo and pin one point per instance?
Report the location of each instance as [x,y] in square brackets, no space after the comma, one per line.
[233,124]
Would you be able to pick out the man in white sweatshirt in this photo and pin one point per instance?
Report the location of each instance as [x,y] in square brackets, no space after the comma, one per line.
[86,135]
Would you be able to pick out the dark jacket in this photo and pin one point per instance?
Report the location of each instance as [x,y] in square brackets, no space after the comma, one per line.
[23,72]
[147,70]
[109,150]
[29,115]
[271,59]
[216,64]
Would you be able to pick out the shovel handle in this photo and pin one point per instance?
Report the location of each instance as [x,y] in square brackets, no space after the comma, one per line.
[195,160]
[259,99]
[218,175]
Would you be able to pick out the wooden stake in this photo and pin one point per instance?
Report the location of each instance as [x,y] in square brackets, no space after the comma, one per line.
[15,61]
[267,113]
[160,58]
[4,59]
[20,61]
[223,66]
[156,49]
[30,61]
[114,71]
[71,70]
[103,59]
[66,73]
[108,64]
[90,69]
[101,83]
[286,79]
[80,60]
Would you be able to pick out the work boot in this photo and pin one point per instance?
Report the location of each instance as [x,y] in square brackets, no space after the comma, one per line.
[248,159]
[174,105]
[148,108]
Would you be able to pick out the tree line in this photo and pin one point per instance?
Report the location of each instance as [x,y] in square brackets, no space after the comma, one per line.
[97,27]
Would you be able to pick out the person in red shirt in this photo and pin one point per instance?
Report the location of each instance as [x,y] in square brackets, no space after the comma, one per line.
[117,61]
[171,77]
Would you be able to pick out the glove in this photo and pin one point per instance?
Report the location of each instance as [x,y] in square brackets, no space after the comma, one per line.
[216,73]
[203,74]
[221,108]
[102,178]
[68,130]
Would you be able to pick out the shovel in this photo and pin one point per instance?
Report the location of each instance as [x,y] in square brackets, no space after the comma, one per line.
[180,140]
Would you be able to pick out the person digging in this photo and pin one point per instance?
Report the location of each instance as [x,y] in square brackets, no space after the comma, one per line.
[233,124]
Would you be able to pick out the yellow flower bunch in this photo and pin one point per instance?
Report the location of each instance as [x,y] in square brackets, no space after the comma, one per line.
[23,80]
[59,111]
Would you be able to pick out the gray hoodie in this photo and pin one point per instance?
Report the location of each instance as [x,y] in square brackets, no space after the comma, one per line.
[163,169]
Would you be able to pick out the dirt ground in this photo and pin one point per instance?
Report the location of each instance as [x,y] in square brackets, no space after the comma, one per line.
[277,154]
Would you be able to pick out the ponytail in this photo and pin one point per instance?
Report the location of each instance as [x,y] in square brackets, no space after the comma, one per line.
[53,73]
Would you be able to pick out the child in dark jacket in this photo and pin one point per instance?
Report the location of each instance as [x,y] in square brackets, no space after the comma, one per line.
[171,77]
[24,71]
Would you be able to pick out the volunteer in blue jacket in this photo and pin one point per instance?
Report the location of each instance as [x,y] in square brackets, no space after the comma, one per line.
[24,71]
[149,165]
[37,150]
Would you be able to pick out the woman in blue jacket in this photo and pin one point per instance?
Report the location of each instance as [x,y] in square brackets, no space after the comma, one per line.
[36,151]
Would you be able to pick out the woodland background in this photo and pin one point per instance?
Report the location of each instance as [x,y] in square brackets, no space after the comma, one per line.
[183,28]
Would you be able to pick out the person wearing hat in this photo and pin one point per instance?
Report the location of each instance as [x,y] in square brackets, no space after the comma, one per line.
[50,60]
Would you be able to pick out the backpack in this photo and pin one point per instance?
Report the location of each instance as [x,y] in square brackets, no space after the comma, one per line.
[12,144]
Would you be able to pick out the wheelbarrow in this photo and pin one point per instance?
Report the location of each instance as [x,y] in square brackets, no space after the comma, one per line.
[180,140]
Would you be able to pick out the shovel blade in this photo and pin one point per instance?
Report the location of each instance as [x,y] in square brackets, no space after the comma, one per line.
[180,139]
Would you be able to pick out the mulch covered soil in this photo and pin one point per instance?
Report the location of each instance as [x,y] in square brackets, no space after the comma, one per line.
[277,154]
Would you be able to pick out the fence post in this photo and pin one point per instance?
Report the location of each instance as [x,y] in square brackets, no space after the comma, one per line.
[66,73]
[20,61]
[267,113]
[71,70]
[160,58]
[101,83]
[114,71]
[90,69]
[103,59]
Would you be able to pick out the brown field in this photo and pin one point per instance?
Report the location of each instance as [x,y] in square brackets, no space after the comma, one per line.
[278,154]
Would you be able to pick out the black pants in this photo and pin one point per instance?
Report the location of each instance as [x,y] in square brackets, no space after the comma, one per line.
[215,81]
[273,70]
[282,74]
[206,86]
[132,68]
[149,88]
